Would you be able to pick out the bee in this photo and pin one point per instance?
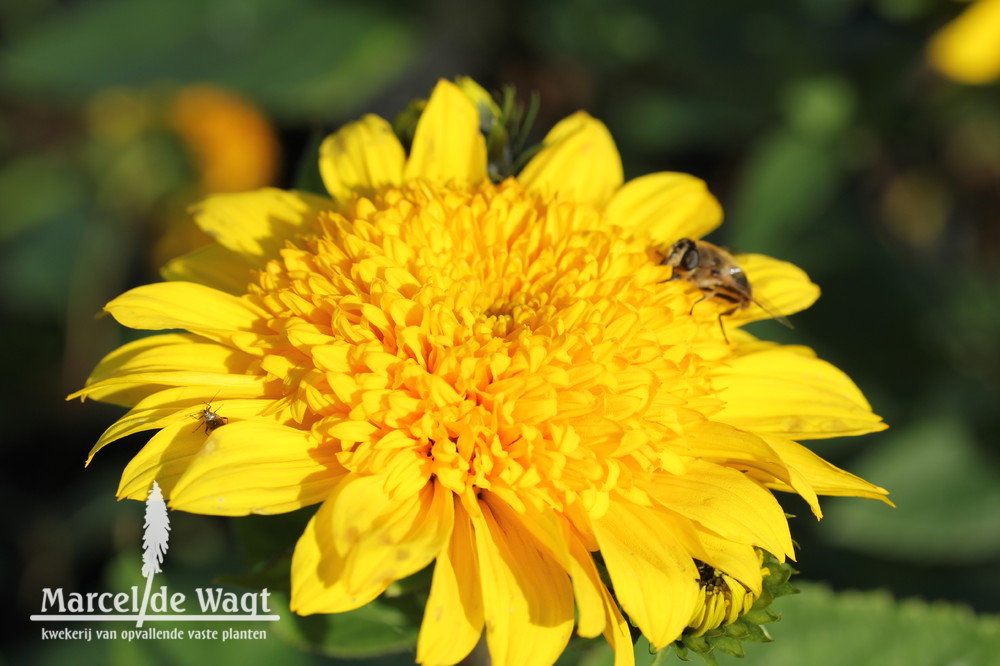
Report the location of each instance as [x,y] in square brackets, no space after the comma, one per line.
[714,271]
[209,419]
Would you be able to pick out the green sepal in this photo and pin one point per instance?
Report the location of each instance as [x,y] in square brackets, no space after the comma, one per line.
[730,646]
[404,125]
[761,616]
[747,631]
[780,574]
[507,133]
[739,630]
[698,643]
[505,124]
[758,634]
[681,651]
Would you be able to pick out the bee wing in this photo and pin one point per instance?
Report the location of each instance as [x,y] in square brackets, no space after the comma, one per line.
[776,317]
[779,289]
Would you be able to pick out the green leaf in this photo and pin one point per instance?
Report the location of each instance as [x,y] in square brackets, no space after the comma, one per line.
[821,628]
[36,189]
[262,538]
[789,180]
[384,626]
[40,262]
[267,543]
[946,491]
[668,123]
[821,106]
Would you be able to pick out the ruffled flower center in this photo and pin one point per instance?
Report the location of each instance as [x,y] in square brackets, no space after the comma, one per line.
[487,337]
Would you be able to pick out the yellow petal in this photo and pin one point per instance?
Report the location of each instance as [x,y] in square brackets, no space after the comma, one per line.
[727,502]
[257,224]
[254,467]
[176,405]
[724,444]
[193,307]
[406,535]
[478,96]
[654,578]
[613,624]
[588,590]
[968,49]
[363,539]
[130,389]
[749,456]
[780,391]
[163,459]
[666,207]
[578,159]
[527,597]
[542,523]
[453,617]
[447,144]
[166,352]
[739,560]
[137,420]
[361,158]
[779,288]
[826,479]
[155,352]
[213,266]
[318,584]
[545,526]
[618,633]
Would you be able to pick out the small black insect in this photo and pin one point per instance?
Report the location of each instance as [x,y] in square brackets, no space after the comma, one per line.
[209,419]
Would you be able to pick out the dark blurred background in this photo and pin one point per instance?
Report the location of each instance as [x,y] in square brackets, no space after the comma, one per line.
[820,125]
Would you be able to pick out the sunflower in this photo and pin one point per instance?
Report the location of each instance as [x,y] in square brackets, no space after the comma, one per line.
[498,378]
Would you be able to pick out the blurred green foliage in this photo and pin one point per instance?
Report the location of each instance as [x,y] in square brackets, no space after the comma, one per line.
[820,627]
[817,123]
[299,59]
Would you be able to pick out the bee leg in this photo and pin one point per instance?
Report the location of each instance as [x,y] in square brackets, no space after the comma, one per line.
[722,327]
[674,274]
[691,311]
[201,422]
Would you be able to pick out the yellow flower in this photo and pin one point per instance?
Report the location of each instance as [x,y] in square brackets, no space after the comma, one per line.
[967,50]
[232,143]
[494,378]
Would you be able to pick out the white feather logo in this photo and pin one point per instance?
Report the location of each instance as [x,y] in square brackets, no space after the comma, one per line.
[155,539]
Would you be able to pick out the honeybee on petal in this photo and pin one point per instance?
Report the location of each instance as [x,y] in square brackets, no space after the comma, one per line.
[714,271]
[209,419]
